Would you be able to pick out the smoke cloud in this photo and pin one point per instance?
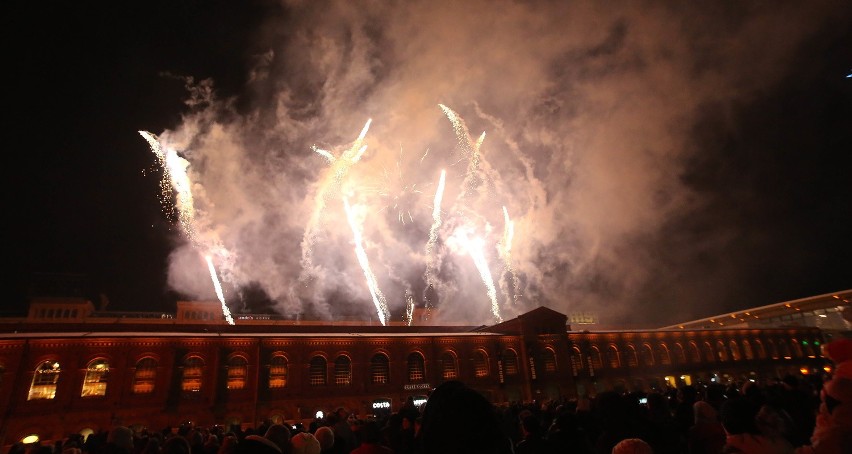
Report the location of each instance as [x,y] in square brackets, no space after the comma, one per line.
[589,112]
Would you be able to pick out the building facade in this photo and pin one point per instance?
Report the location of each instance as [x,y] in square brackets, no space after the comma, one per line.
[66,368]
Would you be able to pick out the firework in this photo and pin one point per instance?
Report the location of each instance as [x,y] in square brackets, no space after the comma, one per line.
[372,284]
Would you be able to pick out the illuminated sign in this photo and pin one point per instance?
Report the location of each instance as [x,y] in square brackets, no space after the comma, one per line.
[381,405]
[414,386]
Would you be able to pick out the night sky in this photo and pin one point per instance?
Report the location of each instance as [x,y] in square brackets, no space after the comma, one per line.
[658,161]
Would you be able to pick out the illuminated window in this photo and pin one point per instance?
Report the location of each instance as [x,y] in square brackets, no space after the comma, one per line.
[576,361]
[663,354]
[480,364]
[548,358]
[237,372]
[317,371]
[720,350]
[680,353]
[278,371]
[708,353]
[612,357]
[595,354]
[694,355]
[193,374]
[761,351]
[95,381]
[510,362]
[342,370]
[632,357]
[416,368]
[784,349]
[773,350]
[144,376]
[735,350]
[449,368]
[747,351]
[647,355]
[379,369]
[44,381]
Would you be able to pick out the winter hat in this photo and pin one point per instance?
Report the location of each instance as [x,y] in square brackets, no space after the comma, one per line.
[704,412]
[632,446]
[839,388]
[840,352]
[305,443]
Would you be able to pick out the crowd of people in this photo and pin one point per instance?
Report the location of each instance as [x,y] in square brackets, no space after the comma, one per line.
[789,416]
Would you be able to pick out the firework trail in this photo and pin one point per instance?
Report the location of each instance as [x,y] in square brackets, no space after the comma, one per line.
[372,284]
[328,188]
[218,287]
[174,172]
[474,248]
[431,264]
[409,307]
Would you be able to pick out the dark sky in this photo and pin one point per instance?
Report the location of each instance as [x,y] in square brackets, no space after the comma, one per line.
[658,161]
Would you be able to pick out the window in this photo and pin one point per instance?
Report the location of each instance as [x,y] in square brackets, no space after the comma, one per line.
[773,351]
[663,354]
[749,354]
[342,371]
[694,355]
[480,364]
[317,371]
[680,353]
[576,361]
[708,353]
[95,381]
[193,374]
[449,368]
[278,371]
[647,355]
[632,357]
[416,368]
[595,354]
[548,358]
[735,350]
[761,352]
[510,362]
[784,349]
[612,357]
[720,350]
[379,369]
[144,376]
[44,381]
[237,372]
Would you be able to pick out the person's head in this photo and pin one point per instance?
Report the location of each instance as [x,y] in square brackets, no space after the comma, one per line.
[704,412]
[278,434]
[121,437]
[458,419]
[738,416]
[369,432]
[175,445]
[325,437]
[632,446]
[305,443]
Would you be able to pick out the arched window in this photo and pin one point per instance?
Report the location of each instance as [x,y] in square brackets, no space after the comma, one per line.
[808,350]
[709,356]
[694,355]
[480,364]
[237,372]
[317,371]
[783,349]
[647,355]
[510,362]
[95,381]
[576,361]
[680,353]
[44,381]
[663,354]
[747,351]
[449,368]
[632,357]
[797,348]
[379,369]
[720,350]
[144,376]
[761,351]
[597,361]
[193,374]
[548,358]
[278,371]
[343,371]
[416,368]
[735,350]
[612,356]
[773,350]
